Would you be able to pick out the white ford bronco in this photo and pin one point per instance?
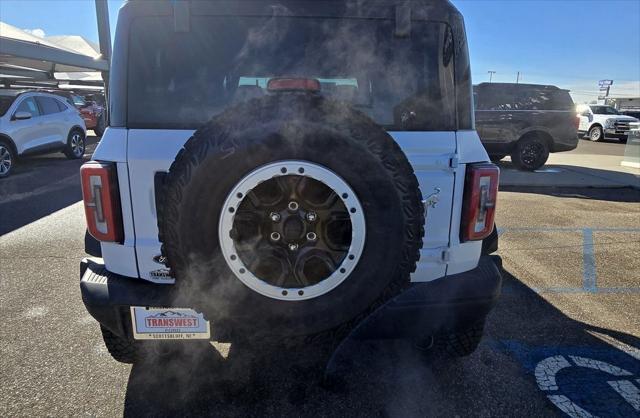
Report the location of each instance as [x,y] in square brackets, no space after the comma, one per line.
[289,169]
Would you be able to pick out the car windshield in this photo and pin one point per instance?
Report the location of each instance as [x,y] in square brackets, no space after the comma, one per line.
[78,101]
[5,103]
[183,79]
[604,110]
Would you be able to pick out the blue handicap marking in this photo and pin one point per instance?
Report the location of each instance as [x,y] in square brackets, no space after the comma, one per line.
[583,381]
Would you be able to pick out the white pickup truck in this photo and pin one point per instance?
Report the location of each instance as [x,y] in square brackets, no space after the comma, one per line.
[598,122]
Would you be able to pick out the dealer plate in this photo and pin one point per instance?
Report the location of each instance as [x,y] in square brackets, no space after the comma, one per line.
[168,324]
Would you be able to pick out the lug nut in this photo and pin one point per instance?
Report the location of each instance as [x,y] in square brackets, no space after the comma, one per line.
[293,206]
[311,236]
[293,247]
[275,236]
[275,217]
[312,216]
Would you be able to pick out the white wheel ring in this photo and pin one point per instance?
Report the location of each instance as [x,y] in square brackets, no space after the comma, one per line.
[284,168]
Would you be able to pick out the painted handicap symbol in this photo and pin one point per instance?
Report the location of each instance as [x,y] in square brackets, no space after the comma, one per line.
[621,381]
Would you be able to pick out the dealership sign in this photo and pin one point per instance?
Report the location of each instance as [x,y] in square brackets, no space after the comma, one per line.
[605,83]
[168,324]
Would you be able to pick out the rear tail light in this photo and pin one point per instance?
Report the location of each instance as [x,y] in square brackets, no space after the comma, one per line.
[577,122]
[102,201]
[479,205]
[291,83]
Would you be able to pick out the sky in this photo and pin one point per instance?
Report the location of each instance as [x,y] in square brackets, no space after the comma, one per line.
[568,43]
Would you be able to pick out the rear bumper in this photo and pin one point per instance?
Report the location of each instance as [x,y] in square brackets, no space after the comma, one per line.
[108,296]
[565,142]
[448,304]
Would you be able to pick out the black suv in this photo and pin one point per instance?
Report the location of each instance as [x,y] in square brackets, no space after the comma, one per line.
[526,121]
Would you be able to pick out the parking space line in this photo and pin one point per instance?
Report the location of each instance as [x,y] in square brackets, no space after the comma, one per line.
[614,290]
[589,271]
[502,230]
[588,261]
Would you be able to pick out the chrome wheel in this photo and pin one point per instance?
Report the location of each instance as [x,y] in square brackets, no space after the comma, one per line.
[6,160]
[77,144]
[595,134]
[292,230]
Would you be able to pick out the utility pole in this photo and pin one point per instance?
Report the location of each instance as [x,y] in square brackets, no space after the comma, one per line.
[518,77]
[491,73]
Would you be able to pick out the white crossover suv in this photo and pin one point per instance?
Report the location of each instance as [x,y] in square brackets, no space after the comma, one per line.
[289,169]
[32,122]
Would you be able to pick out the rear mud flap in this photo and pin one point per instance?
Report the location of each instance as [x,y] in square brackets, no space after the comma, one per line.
[450,304]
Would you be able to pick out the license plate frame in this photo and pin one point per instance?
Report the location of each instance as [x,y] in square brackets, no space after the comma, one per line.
[151,323]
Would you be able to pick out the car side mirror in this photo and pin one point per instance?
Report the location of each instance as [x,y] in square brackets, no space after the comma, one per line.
[21,115]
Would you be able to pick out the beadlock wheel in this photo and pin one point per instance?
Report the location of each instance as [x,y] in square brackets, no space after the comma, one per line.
[292,230]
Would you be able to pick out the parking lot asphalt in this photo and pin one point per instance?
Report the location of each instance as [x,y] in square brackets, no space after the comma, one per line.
[564,338]
[590,164]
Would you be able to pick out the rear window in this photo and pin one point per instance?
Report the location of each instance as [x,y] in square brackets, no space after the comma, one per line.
[498,98]
[48,105]
[61,106]
[180,80]
[78,101]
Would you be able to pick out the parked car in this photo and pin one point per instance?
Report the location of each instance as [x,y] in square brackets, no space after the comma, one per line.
[231,200]
[91,112]
[598,122]
[526,121]
[34,122]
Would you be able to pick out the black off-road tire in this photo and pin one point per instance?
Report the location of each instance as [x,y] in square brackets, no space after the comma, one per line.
[531,153]
[463,343]
[10,156]
[100,126]
[121,350]
[289,126]
[70,149]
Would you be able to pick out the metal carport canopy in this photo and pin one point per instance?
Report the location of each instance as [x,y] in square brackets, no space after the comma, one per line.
[20,57]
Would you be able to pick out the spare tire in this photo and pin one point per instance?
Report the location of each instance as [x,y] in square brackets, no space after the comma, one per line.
[290,215]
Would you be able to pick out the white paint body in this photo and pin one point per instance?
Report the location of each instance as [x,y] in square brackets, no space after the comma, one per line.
[41,131]
[439,160]
[588,119]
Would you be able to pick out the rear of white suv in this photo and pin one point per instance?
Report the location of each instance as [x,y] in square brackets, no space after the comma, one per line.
[32,122]
[304,169]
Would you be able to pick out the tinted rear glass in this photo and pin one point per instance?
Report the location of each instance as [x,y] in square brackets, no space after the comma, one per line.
[180,80]
[61,106]
[48,105]
[510,98]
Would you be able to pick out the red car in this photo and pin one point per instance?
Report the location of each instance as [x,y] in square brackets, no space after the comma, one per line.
[91,112]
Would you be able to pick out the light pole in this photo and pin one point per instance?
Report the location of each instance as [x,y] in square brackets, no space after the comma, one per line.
[491,73]
[518,77]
